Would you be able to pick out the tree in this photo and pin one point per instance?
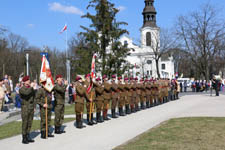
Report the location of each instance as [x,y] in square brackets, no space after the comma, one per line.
[161,46]
[103,34]
[202,34]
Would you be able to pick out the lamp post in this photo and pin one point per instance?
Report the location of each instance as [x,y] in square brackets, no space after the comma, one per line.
[27,60]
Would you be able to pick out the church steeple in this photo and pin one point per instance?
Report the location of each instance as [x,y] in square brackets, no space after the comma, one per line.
[149,14]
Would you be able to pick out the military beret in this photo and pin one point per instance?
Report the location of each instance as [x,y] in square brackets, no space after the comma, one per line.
[78,78]
[119,78]
[26,78]
[136,78]
[105,76]
[125,79]
[114,76]
[58,76]
[131,78]
[98,79]
[87,75]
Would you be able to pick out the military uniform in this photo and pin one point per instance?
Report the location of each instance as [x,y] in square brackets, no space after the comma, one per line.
[143,95]
[79,104]
[99,101]
[89,96]
[128,95]
[59,94]
[122,96]
[107,97]
[115,96]
[41,97]
[27,111]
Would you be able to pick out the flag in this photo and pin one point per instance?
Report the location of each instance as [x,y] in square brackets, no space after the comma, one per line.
[63,29]
[45,75]
[92,73]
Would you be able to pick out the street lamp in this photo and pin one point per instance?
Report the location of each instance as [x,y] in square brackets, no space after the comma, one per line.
[27,60]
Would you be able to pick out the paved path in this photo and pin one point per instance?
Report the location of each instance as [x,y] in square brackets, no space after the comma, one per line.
[110,134]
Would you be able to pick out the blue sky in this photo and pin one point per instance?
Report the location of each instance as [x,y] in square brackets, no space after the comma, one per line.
[40,21]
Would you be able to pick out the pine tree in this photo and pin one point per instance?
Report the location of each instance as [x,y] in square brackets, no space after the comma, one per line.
[103,36]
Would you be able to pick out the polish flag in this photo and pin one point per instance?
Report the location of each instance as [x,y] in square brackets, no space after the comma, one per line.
[92,73]
[63,29]
[46,76]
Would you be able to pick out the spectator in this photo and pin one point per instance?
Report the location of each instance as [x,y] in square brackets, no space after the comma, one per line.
[10,83]
[71,94]
[18,99]
[2,95]
[185,86]
[8,90]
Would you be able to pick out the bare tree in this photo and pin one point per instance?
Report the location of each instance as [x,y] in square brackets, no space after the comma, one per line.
[202,34]
[162,45]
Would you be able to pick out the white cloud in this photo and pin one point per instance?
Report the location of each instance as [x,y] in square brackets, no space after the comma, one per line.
[30,25]
[65,9]
[121,8]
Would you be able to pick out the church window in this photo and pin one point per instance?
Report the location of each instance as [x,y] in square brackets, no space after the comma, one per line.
[148,17]
[148,39]
[163,66]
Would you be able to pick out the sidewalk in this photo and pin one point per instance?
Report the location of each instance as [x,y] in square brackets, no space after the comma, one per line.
[107,135]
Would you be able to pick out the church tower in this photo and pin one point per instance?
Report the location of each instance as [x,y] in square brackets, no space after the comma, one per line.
[149,30]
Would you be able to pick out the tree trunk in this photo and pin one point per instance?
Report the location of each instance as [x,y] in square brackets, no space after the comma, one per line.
[157,67]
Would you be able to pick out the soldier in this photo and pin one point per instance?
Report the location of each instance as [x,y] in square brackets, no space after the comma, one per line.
[122,96]
[106,96]
[128,96]
[90,98]
[148,93]
[142,87]
[99,100]
[115,96]
[41,97]
[59,94]
[27,109]
[79,102]
[137,94]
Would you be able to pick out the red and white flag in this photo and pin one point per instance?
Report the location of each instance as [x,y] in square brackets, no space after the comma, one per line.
[93,76]
[46,76]
[63,29]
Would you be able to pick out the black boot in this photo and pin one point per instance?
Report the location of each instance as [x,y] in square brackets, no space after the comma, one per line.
[121,113]
[57,130]
[24,140]
[114,113]
[62,131]
[29,139]
[43,134]
[137,108]
[49,134]
[142,105]
[92,119]
[127,109]
[79,123]
[98,115]
[147,104]
[88,120]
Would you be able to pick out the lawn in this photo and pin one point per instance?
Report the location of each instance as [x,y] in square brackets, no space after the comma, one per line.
[201,133]
[14,128]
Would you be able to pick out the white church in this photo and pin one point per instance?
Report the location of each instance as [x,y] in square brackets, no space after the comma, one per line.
[142,57]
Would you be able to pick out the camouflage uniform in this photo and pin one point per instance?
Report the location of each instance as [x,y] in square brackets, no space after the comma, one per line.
[99,101]
[107,96]
[79,104]
[122,97]
[115,96]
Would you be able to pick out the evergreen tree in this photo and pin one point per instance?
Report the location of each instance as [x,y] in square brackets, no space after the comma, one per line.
[103,35]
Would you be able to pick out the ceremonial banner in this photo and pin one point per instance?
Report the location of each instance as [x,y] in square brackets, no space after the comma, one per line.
[45,75]
[92,72]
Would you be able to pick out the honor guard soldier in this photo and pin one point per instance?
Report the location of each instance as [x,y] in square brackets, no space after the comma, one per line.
[59,94]
[143,93]
[115,96]
[99,100]
[148,93]
[42,97]
[122,96]
[106,96]
[27,109]
[90,97]
[137,93]
[128,96]
[79,102]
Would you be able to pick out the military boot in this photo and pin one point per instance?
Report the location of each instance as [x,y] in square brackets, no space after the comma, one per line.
[105,115]
[43,134]
[132,108]
[79,124]
[29,139]
[62,131]
[114,113]
[121,113]
[137,108]
[142,105]
[98,116]
[92,119]
[127,109]
[147,104]
[24,140]
[88,120]
[49,133]
[57,130]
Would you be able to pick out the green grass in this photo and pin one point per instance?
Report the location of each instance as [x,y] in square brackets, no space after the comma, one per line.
[14,128]
[200,133]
